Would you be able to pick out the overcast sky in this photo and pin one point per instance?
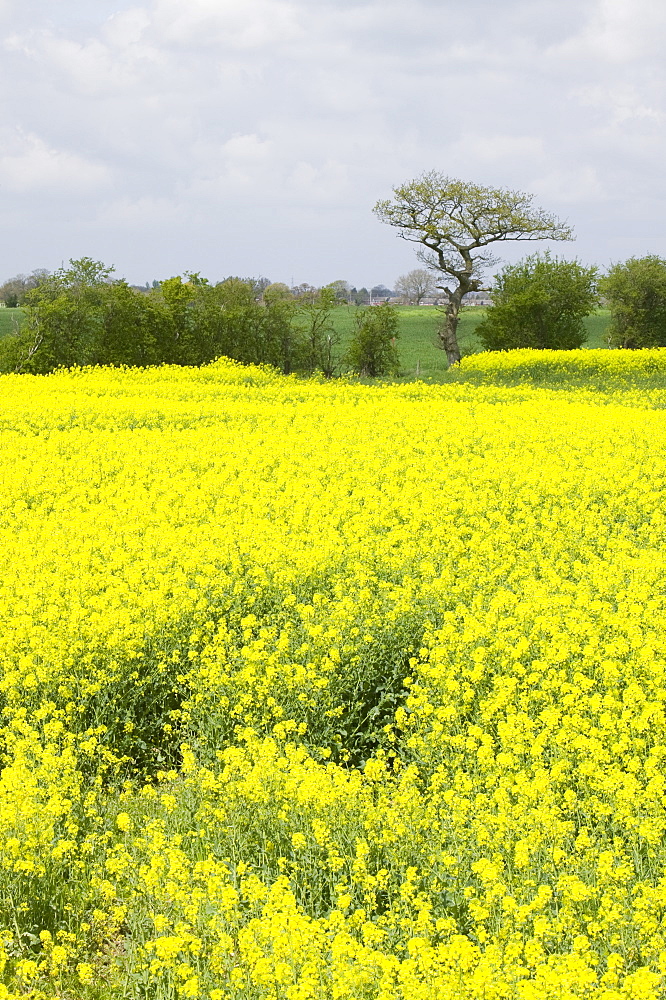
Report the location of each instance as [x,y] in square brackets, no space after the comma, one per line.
[254,136]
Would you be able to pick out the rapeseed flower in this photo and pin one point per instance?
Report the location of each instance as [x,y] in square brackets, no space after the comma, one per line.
[315,690]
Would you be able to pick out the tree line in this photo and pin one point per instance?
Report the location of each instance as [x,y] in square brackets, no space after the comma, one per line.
[80,315]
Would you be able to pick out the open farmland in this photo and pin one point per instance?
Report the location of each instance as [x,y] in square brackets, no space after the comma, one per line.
[418,345]
[321,691]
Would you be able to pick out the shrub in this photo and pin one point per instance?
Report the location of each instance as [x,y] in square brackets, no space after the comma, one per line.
[372,350]
[636,294]
[540,302]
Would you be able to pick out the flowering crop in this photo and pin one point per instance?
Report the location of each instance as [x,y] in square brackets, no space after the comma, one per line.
[317,691]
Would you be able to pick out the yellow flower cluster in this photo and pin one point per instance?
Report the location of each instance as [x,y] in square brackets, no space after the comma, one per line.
[320,691]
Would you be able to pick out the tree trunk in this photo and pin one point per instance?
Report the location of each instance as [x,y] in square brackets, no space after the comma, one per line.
[448,332]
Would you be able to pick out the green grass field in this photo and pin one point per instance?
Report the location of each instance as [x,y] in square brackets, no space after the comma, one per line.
[418,342]
[8,320]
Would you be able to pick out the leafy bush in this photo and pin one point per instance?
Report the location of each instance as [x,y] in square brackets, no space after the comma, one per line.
[80,316]
[636,294]
[372,351]
[539,302]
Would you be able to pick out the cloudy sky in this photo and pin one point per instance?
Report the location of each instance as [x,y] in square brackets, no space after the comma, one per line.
[254,136]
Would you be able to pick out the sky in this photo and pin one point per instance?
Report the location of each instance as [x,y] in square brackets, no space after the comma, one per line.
[253,137]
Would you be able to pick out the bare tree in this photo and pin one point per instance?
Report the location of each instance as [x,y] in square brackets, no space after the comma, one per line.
[415,285]
[455,221]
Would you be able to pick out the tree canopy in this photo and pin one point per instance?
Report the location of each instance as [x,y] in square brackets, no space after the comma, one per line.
[539,302]
[636,294]
[455,222]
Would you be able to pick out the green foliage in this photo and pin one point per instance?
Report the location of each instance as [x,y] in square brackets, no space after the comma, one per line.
[65,315]
[540,302]
[319,335]
[454,222]
[372,351]
[132,327]
[80,316]
[16,348]
[282,341]
[187,320]
[444,214]
[636,294]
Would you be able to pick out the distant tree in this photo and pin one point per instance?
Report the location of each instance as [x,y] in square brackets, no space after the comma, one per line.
[539,302]
[304,291]
[372,351]
[277,291]
[380,292]
[636,294]
[360,297]
[259,285]
[415,285]
[454,222]
[13,292]
[342,290]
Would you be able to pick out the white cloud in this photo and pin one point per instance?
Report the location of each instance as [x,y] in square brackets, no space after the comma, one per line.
[244,159]
[619,104]
[287,119]
[570,186]
[252,24]
[115,62]
[618,32]
[127,213]
[246,148]
[327,183]
[127,27]
[243,167]
[29,164]
[491,148]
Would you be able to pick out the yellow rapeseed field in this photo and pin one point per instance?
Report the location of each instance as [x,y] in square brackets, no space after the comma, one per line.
[321,691]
